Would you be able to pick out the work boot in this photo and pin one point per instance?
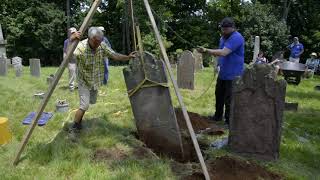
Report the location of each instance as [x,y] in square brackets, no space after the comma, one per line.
[74,132]
[215,118]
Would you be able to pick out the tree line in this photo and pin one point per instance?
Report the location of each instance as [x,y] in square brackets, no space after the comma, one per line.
[38,28]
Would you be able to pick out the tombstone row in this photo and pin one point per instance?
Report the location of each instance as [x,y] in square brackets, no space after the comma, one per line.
[5,64]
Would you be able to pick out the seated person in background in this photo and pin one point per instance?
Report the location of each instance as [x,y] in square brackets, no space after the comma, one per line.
[312,65]
[261,59]
[276,60]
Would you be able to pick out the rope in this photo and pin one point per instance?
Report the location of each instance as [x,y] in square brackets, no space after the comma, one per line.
[153,84]
[190,43]
[146,82]
[171,29]
[205,92]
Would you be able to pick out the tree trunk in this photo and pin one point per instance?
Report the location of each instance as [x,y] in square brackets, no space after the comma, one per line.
[286,8]
[68,14]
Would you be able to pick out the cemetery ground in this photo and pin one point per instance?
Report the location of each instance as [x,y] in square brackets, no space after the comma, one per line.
[108,148]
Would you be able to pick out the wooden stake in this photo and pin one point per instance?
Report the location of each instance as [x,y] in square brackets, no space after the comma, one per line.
[139,40]
[176,89]
[57,77]
[132,26]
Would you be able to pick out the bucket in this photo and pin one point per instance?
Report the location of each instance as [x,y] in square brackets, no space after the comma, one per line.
[5,134]
[62,106]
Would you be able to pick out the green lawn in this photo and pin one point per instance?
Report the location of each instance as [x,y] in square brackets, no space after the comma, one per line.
[109,124]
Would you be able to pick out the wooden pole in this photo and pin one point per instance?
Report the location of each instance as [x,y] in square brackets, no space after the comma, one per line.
[176,89]
[139,40]
[134,43]
[57,77]
[127,27]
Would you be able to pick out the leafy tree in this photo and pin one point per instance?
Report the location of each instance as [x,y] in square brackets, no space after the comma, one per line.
[257,20]
[33,29]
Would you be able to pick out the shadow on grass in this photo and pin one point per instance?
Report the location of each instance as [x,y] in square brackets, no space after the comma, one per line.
[96,133]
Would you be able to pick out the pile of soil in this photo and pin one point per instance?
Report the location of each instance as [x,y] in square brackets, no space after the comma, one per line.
[199,123]
[143,152]
[228,168]
[162,146]
[110,154]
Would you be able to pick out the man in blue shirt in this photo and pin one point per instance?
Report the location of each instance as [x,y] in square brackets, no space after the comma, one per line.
[296,49]
[231,64]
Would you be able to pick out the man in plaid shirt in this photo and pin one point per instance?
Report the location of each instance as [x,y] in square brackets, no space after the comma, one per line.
[90,54]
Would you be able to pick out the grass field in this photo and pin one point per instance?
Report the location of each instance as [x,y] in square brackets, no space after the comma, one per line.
[109,123]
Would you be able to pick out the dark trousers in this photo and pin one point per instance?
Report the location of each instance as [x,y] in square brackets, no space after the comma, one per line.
[223,98]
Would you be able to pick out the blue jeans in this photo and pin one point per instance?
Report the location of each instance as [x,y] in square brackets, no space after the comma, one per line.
[106,71]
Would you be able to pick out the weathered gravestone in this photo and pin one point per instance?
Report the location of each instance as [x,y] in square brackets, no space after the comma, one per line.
[152,106]
[2,45]
[256,113]
[17,65]
[256,49]
[35,67]
[185,71]
[198,60]
[3,66]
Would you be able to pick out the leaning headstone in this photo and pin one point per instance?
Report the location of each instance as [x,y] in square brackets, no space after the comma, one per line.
[152,107]
[3,66]
[198,60]
[258,102]
[35,67]
[17,65]
[2,45]
[185,70]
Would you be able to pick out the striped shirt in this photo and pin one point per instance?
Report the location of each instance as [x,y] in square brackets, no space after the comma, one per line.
[90,65]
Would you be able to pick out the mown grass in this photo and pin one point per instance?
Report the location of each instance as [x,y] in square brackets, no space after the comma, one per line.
[109,123]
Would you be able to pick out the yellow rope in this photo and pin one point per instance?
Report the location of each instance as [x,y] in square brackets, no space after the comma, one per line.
[146,82]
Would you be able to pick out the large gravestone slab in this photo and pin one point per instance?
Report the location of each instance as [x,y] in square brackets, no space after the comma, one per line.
[151,105]
[198,60]
[185,70]
[3,66]
[256,113]
[35,67]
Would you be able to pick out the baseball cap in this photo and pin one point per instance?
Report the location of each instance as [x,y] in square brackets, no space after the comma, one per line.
[101,28]
[227,22]
[314,54]
[72,30]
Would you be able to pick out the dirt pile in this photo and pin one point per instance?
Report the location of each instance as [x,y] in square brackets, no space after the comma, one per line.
[228,168]
[159,144]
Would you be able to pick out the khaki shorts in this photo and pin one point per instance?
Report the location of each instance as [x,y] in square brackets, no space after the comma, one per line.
[87,96]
